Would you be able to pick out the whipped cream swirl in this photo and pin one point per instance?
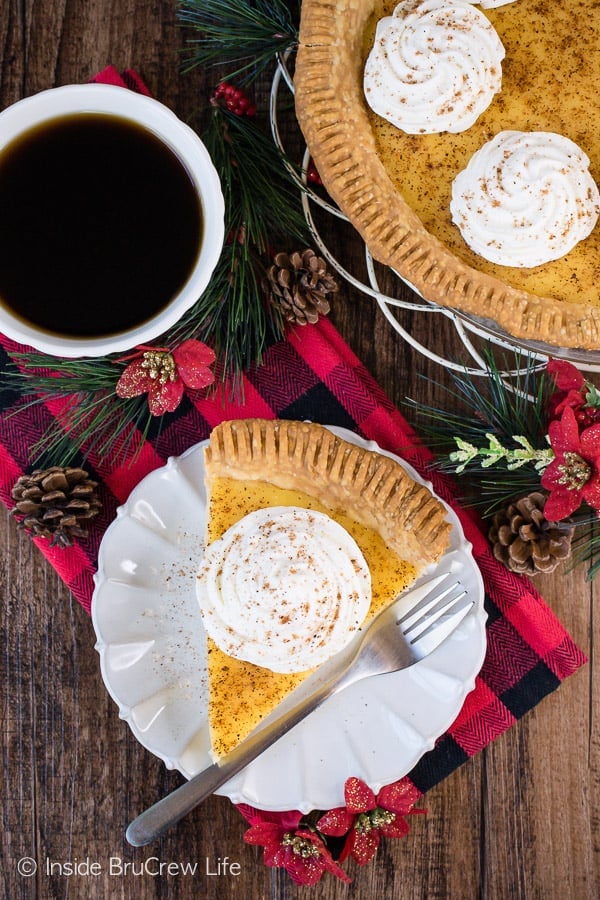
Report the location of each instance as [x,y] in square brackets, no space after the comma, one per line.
[435,66]
[284,588]
[525,198]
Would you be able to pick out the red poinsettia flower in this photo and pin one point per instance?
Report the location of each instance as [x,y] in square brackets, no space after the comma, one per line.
[164,374]
[367,817]
[299,851]
[573,476]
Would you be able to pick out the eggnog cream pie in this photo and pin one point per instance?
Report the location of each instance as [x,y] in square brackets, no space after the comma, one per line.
[395,182]
[309,537]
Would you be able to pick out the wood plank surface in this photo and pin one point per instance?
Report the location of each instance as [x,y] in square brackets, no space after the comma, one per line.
[520,820]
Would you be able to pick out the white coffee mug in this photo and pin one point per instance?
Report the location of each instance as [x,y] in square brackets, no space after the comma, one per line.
[149,114]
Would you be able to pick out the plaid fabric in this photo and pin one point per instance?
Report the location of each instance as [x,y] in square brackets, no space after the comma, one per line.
[312,374]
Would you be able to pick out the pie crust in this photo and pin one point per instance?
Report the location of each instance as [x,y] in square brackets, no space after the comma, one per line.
[338,129]
[367,486]
[254,463]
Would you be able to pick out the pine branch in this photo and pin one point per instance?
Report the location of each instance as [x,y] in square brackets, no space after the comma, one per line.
[489,423]
[35,372]
[93,420]
[489,405]
[263,205]
[232,317]
[243,34]
[258,190]
[98,424]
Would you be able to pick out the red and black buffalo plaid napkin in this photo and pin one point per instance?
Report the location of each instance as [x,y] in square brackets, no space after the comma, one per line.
[314,375]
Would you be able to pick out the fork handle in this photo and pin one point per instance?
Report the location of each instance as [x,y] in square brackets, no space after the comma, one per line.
[155,820]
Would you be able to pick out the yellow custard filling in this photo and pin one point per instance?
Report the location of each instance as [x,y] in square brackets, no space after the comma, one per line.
[242,694]
[550,78]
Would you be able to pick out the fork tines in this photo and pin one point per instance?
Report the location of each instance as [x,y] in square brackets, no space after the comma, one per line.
[437,603]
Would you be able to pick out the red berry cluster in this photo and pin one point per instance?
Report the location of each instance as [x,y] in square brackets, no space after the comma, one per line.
[587,415]
[234,99]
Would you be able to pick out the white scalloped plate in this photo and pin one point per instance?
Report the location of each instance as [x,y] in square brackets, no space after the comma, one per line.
[153,659]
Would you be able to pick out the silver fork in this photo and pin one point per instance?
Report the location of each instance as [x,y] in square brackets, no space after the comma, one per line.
[407,631]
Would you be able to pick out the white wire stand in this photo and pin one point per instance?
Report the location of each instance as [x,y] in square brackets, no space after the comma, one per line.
[467,327]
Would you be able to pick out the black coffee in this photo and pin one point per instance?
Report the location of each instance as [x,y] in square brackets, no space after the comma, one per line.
[100,225]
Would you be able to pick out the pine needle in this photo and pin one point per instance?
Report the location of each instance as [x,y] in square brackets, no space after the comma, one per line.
[244,36]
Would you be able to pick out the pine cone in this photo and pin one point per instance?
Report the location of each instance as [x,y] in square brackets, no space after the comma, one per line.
[299,285]
[55,503]
[525,541]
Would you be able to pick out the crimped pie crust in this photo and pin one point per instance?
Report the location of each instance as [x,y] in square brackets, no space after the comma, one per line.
[369,487]
[332,114]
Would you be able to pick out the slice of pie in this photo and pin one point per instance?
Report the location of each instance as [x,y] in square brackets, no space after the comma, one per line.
[396,187]
[399,526]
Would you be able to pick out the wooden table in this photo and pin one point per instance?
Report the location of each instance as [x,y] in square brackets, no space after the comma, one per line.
[518,821]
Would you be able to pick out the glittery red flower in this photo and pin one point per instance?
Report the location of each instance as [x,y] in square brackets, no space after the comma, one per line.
[573,476]
[367,817]
[570,387]
[565,375]
[299,851]
[164,374]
